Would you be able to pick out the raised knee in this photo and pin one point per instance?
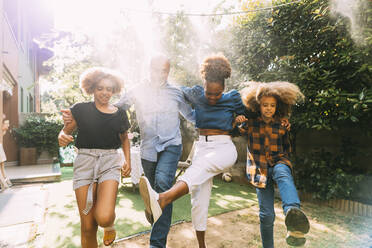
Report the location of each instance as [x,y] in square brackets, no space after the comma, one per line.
[105,219]
[282,171]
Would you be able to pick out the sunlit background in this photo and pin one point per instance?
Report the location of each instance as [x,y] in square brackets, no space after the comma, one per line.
[123,35]
[132,31]
[323,46]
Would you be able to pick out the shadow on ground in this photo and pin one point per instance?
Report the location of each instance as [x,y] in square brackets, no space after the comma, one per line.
[63,226]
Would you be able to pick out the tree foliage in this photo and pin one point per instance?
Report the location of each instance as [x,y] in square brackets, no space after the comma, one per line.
[75,52]
[308,44]
[178,40]
[72,55]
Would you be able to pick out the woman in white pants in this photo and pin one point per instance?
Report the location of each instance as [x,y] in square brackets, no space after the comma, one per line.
[211,157]
[215,152]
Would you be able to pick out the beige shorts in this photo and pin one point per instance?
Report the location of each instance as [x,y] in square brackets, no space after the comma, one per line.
[95,166]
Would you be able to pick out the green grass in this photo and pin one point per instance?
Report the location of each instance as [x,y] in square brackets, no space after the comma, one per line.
[63,216]
[225,197]
[335,229]
[67,173]
[329,228]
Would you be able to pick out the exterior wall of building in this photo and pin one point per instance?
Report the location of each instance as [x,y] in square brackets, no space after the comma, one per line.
[19,67]
[26,82]
[9,76]
[10,48]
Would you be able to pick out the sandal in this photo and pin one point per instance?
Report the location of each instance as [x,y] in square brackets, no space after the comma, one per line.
[109,235]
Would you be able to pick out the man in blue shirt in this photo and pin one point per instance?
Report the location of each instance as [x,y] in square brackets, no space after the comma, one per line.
[158,104]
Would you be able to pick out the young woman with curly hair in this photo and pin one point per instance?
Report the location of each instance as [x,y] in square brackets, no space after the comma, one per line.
[215,152]
[268,157]
[101,130]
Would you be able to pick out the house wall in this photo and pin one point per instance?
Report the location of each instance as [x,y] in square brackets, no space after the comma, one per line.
[19,24]
[26,82]
[10,108]
[10,47]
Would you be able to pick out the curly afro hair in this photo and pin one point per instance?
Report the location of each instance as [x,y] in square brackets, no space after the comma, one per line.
[287,94]
[215,68]
[92,76]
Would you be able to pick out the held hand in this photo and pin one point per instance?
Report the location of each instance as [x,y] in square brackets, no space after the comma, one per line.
[286,124]
[242,130]
[64,139]
[240,119]
[126,169]
[66,116]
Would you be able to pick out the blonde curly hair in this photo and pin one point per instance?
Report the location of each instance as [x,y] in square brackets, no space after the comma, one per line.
[92,76]
[215,68]
[286,94]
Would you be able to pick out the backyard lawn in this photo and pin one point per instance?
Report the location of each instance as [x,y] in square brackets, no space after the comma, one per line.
[234,220]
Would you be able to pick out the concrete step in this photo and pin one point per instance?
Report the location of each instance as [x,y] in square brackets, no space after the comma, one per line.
[34,173]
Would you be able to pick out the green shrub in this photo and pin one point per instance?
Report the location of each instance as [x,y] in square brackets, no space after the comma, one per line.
[325,175]
[40,132]
[309,44]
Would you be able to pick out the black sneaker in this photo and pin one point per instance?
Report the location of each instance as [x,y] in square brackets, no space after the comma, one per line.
[297,226]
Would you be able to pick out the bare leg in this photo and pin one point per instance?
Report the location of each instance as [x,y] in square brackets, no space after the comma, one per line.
[2,169]
[178,190]
[105,207]
[6,179]
[3,182]
[200,236]
[88,223]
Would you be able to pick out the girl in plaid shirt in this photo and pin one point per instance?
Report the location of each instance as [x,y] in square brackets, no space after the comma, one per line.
[268,157]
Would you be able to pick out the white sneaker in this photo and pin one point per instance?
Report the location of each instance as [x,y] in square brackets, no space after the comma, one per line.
[150,198]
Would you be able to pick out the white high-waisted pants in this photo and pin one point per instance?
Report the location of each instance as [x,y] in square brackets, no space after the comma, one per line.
[213,155]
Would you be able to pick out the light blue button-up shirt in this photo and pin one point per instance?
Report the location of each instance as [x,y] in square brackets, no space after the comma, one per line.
[157,110]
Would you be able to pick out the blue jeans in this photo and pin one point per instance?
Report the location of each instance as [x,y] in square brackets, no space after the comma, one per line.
[161,175]
[281,174]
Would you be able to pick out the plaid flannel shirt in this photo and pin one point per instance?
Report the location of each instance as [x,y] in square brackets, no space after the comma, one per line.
[268,145]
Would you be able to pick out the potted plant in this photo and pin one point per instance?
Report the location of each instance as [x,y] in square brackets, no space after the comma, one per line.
[38,133]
